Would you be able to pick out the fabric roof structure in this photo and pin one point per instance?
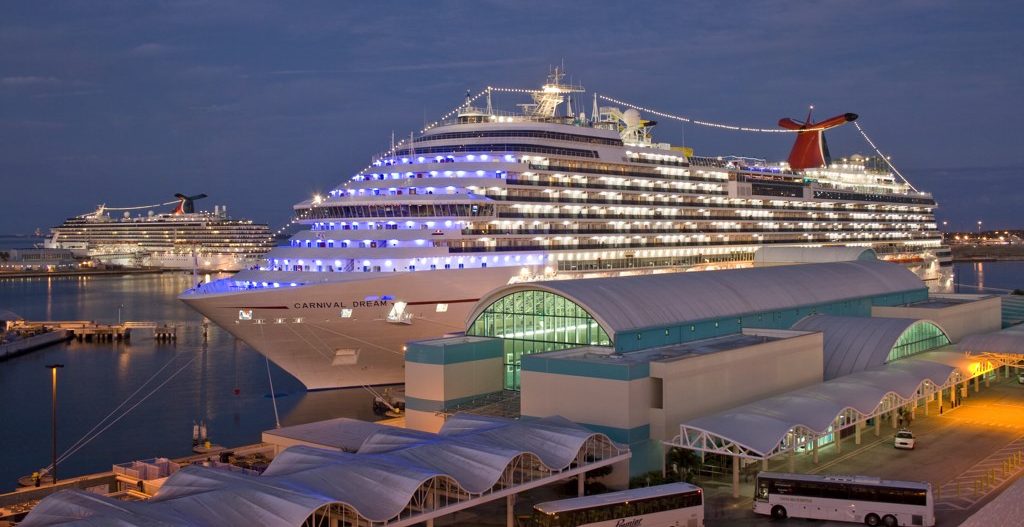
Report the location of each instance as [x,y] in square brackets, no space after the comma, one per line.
[9,316]
[1009,341]
[759,429]
[471,456]
[779,255]
[853,344]
[634,302]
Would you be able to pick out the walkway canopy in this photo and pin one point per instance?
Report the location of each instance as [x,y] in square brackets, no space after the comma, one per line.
[1009,341]
[768,427]
[853,344]
[396,478]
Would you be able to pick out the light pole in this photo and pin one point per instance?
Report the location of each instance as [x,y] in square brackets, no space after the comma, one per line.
[53,418]
[979,227]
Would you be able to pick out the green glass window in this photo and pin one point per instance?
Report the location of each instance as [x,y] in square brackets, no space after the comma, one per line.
[534,321]
[918,338]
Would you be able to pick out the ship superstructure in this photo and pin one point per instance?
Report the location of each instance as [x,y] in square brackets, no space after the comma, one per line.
[180,239]
[403,249]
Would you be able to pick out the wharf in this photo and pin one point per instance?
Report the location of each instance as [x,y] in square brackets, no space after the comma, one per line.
[87,330]
[32,342]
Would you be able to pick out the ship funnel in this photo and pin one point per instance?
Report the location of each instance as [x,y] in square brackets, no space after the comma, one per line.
[810,149]
[186,204]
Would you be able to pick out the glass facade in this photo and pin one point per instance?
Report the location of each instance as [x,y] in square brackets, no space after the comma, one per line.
[535,321]
[920,337]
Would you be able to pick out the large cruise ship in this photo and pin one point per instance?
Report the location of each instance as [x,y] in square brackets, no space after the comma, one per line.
[403,249]
[182,238]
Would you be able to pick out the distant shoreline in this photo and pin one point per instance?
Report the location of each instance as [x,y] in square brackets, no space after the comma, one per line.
[82,272]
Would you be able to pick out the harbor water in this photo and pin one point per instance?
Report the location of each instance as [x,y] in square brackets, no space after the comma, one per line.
[221,380]
[97,377]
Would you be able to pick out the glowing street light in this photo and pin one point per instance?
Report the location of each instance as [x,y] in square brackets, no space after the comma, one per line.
[53,418]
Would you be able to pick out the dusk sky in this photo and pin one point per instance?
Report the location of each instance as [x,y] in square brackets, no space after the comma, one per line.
[261,104]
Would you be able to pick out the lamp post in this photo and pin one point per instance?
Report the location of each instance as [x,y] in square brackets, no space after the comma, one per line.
[979,228]
[53,418]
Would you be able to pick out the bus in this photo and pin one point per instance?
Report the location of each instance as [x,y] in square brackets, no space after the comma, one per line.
[668,505]
[873,501]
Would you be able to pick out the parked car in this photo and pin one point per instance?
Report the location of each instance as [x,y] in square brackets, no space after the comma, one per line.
[1020,377]
[904,439]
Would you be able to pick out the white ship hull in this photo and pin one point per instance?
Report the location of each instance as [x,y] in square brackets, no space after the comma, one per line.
[203,262]
[302,329]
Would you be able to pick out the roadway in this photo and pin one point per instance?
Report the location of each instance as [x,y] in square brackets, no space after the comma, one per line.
[962,450]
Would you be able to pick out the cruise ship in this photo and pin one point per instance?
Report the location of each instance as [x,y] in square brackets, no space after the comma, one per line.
[403,249]
[181,238]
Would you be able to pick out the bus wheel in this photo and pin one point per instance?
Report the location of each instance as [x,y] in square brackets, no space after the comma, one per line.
[779,512]
[872,520]
[889,521]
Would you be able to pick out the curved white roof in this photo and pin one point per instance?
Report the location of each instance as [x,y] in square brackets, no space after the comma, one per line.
[1008,341]
[770,254]
[853,344]
[761,426]
[471,452]
[635,302]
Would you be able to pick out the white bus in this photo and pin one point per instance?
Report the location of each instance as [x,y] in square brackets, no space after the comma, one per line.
[668,505]
[873,501]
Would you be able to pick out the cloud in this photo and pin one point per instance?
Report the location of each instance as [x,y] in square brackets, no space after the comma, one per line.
[150,49]
[28,80]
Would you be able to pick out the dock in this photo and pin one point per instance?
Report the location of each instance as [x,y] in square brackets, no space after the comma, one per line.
[91,331]
[32,342]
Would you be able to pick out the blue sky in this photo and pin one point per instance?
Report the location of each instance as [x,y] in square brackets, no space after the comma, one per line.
[260,104]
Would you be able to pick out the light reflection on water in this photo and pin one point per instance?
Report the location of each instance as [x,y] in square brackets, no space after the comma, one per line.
[98,376]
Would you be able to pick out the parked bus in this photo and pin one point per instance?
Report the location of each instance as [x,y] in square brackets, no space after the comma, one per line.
[873,501]
[668,505]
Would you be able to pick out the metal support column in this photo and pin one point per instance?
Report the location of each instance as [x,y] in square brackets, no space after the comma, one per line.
[580,482]
[510,510]
[735,476]
[856,432]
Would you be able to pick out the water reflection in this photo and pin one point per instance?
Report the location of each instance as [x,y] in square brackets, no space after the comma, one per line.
[228,384]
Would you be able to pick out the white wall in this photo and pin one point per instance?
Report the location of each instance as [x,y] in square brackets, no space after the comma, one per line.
[984,315]
[700,385]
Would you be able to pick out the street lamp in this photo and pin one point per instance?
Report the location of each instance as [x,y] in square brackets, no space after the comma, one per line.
[979,227]
[53,418]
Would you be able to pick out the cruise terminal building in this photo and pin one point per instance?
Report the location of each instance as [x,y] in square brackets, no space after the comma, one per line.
[745,363]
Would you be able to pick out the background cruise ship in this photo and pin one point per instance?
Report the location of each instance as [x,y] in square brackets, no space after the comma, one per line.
[403,250]
[180,239]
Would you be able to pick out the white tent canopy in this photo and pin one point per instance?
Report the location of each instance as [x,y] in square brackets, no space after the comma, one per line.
[759,429]
[470,455]
[1009,341]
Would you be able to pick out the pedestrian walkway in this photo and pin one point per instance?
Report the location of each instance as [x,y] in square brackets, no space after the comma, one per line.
[985,477]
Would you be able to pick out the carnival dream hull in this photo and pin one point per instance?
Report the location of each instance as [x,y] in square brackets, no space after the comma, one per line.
[304,330]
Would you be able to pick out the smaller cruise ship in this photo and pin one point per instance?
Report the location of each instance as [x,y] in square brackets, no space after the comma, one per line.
[180,239]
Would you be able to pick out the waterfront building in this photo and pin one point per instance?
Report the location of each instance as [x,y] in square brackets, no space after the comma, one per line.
[637,357]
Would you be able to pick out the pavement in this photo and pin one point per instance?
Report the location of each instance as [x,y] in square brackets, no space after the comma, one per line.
[969,454]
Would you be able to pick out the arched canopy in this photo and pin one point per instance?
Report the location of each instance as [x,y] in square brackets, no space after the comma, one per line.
[853,344]
[470,457]
[759,429]
[1009,341]
[658,300]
